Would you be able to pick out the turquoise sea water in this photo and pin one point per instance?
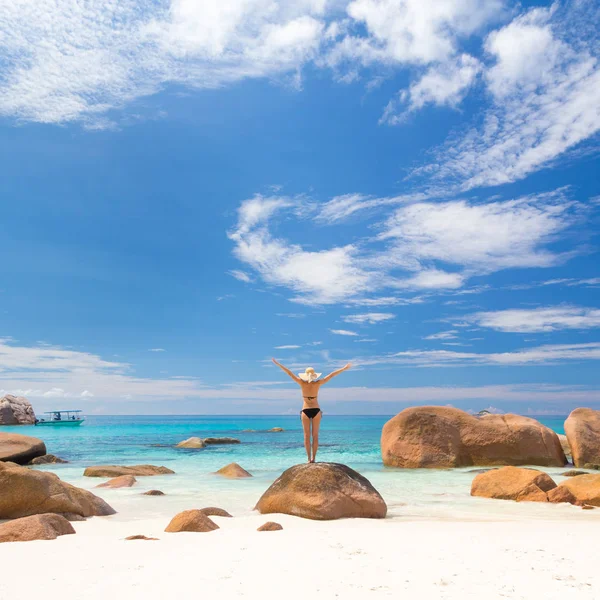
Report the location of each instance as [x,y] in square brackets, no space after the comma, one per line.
[352,440]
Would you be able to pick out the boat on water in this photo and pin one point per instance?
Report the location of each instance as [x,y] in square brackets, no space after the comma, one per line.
[62,417]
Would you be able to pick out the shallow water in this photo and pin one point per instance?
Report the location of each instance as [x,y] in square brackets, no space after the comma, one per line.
[352,440]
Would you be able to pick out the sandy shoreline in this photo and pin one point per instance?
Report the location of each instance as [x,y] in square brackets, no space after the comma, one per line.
[347,559]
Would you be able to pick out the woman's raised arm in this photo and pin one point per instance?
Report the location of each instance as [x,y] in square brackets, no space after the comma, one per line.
[286,370]
[332,375]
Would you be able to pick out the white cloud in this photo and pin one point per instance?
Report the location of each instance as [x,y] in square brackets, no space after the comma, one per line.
[343,332]
[480,237]
[410,31]
[156,350]
[287,347]
[442,335]
[540,355]
[428,246]
[240,275]
[545,100]
[366,340]
[370,318]
[445,84]
[93,56]
[538,319]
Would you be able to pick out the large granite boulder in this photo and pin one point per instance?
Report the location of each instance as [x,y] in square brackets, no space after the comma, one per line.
[27,492]
[583,432]
[135,470]
[16,410]
[586,488]
[36,527]
[233,471]
[191,520]
[513,483]
[20,449]
[444,437]
[323,491]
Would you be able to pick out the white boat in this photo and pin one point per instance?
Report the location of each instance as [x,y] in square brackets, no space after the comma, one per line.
[63,418]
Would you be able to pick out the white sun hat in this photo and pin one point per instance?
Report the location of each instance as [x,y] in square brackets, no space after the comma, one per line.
[309,375]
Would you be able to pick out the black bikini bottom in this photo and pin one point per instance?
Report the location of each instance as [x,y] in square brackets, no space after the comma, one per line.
[311,413]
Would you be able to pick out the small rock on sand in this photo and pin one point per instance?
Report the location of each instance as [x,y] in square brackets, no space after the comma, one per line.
[36,527]
[140,537]
[270,526]
[191,520]
[153,493]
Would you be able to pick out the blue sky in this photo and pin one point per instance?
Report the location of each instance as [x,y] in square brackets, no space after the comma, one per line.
[188,190]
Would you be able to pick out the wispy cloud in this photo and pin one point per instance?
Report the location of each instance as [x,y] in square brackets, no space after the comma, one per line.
[545,91]
[540,355]
[343,332]
[287,347]
[421,247]
[156,350]
[370,318]
[552,318]
[240,275]
[442,335]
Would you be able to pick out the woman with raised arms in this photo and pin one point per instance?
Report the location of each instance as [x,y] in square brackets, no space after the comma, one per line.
[311,414]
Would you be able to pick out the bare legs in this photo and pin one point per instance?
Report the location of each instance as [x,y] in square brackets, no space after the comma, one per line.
[307,425]
[316,423]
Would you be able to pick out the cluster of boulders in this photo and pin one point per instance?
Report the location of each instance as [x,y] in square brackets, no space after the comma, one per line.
[445,437]
[531,485]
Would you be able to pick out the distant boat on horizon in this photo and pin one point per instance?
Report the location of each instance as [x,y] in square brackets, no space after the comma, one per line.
[62,417]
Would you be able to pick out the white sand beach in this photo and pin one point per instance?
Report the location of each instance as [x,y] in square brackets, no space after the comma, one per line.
[356,558]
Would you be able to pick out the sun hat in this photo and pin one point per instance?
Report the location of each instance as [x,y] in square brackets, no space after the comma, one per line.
[309,375]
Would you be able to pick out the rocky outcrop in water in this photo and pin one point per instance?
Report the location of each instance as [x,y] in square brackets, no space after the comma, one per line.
[323,491]
[123,481]
[192,443]
[233,471]
[583,432]
[135,470]
[36,527]
[444,437]
[20,449]
[27,492]
[16,410]
[47,459]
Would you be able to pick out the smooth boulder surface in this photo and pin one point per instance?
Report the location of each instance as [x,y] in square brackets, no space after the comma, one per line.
[233,471]
[192,443]
[586,488]
[323,491]
[36,527]
[16,410]
[47,459]
[513,483]
[270,526]
[30,492]
[583,432]
[135,470]
[123,481]
[20,449]
[444,437]
[223,440]
[191,520]
[213,511]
